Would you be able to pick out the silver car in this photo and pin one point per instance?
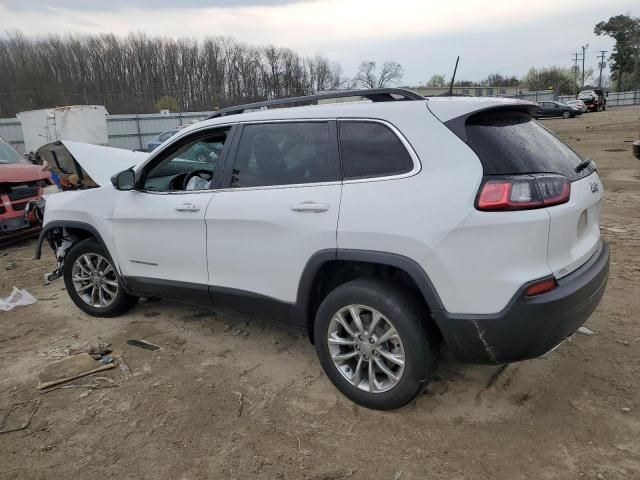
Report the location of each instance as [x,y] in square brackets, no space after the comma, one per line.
[577,104]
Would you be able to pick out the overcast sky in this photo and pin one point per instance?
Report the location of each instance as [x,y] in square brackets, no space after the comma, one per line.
[490,36]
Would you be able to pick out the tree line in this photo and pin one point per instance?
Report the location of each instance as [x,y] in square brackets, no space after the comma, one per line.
[625,58]
[133,73]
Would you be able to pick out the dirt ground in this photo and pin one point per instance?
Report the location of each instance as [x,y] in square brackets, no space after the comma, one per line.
[231,398]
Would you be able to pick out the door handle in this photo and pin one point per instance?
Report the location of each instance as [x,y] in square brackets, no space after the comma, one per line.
[310,207]
[188,207]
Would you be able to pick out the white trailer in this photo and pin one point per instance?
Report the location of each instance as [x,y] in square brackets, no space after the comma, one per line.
[79,123]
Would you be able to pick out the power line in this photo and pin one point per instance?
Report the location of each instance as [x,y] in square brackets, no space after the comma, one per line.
[575,70]
[584,49]
[601,64]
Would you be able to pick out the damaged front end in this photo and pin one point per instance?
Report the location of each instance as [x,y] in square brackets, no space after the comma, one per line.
[60,240]
[83,173]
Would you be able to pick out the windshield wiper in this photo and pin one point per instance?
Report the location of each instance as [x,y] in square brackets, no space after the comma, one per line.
[582,165]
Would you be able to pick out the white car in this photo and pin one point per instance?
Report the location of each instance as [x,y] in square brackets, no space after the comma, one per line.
[385,229]
[577,104]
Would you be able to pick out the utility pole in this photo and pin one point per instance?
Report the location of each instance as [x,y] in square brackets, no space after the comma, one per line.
[584,49]
[575,71]
[601,64]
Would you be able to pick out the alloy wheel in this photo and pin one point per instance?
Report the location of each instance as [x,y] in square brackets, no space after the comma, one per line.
[95,280]
[366,348]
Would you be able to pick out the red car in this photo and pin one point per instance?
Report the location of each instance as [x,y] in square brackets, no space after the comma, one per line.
[20,184]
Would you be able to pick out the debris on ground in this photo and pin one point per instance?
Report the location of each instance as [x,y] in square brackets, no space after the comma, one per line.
[17,298]
[15,406]
[143,344]
[69,369]
[240,403]
[94,383]
[586,331]
[124,368]
[626,409]
[106,360]
[96,350]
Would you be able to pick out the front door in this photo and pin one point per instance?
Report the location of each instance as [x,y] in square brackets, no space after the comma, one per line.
[278,206]
[159,228]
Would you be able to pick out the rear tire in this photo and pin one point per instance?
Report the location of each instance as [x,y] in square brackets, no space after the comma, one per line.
[92,281]
[381,370]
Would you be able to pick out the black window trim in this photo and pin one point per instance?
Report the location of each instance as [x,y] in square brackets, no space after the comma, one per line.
[155,159]
[417,165]
[231,156]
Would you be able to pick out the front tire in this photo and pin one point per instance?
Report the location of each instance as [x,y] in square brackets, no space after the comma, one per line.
[566,115]
[92,281]
[372,342]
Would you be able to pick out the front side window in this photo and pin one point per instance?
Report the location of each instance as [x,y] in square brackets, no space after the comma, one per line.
[188,165]
[283,154]
[370,149]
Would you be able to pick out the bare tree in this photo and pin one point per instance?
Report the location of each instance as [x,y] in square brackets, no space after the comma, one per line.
[130,74]
[368,77]
[390,74]
[437,81]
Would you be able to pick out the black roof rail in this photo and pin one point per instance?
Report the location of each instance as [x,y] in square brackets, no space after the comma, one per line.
[373,94]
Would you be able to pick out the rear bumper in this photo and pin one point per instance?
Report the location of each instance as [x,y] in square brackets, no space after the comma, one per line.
[529,326]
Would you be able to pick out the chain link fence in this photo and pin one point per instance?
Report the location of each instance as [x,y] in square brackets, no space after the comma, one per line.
[133,131]
[631,97]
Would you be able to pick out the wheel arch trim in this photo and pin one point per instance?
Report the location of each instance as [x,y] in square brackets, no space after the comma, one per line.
[87,227]
[406,264]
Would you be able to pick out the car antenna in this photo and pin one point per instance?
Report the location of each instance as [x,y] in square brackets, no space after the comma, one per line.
[453,77]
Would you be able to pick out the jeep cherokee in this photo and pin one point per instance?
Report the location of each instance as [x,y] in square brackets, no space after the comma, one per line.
[383,228]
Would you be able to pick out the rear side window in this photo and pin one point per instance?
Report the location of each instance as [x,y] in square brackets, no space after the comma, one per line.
[512,143]
[369,149]
[284,154]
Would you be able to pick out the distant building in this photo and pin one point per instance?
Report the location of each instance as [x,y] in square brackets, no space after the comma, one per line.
[475,91]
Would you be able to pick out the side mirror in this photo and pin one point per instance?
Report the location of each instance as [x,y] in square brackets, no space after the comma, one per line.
[125,180]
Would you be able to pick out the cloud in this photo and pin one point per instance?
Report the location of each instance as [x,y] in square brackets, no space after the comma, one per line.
[298,24]
[499,35]
[151,5]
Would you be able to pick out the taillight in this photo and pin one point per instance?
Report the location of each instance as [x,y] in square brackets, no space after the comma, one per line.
[522,192]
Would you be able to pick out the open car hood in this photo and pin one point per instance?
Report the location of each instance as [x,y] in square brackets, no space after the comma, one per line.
[85,165]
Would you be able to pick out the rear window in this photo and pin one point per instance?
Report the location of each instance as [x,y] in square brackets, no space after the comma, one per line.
[510,143]
[370,149]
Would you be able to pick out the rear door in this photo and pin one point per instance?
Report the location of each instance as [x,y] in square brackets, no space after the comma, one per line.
[278,207]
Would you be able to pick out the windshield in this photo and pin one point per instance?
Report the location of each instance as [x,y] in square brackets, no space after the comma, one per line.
[8,154]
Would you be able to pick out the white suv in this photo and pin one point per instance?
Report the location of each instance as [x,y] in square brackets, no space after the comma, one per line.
[385,229]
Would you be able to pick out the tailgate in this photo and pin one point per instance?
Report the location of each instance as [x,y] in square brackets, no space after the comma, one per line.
[574,230]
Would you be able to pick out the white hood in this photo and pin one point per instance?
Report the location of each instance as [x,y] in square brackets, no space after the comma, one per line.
[100,163]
